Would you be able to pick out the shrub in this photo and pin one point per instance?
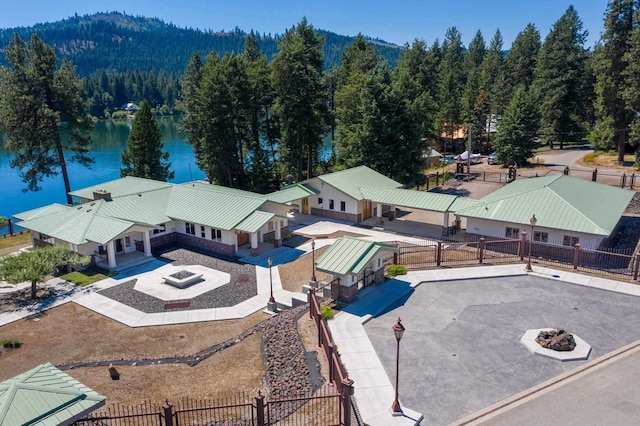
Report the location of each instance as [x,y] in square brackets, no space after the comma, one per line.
[395,270]
[327,312]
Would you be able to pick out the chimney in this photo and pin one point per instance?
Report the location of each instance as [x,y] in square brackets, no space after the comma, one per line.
[102,194]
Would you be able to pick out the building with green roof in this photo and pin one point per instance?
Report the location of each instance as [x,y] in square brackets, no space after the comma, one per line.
[132,215]
[568,210]
[356,262]
[45,396]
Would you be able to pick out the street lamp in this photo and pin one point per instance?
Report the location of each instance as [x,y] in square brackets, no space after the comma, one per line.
[398,330]
[270,262]
[532,221]
[313,260]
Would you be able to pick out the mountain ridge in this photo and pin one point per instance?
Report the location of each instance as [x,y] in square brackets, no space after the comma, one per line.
[115,40]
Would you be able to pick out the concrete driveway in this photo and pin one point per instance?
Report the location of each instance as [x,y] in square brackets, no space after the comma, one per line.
[461,351]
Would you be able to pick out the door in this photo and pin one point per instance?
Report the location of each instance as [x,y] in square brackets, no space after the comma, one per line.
[366,210]
[119,245]
[305,205]
[243,238]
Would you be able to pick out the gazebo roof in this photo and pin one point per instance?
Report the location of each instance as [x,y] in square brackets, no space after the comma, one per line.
[45,396]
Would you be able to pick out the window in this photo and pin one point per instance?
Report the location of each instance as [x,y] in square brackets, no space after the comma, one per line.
[127,241]
[570,241]
[319,201]
[543,237]
[270,226]
[379,262]
[512,233]
[43,236]
[190,228]
[343,206]
[101,250]
[163,228]
[216,234]
[203,233]
[330,204]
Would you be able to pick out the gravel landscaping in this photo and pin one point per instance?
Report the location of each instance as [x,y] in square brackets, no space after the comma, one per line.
[243,285]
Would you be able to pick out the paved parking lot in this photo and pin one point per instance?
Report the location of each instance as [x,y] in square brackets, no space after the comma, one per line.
[461,350]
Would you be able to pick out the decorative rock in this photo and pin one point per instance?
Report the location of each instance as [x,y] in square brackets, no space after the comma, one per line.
[557,340]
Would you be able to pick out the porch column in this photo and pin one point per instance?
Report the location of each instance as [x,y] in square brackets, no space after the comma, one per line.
[111,254]
[445,225]
[378,213]
[254,244]
[278,234]
[146,242]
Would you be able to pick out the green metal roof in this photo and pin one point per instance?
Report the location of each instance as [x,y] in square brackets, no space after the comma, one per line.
[559,202]
[255,221]
[147,208]
[462,203]
[45,396]
[79,224]
[290,193]
[409,198]
[349,255]
[41,211]
[218,188]
[349,181]
[218,209]
[123,186]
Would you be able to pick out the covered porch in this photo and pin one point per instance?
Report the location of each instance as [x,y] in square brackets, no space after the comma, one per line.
[131,248]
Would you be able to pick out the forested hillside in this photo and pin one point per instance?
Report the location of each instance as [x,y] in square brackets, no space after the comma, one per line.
[115,41]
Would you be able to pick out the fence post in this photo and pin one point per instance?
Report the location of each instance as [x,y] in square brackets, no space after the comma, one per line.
[395,258]
[566,171]
[318,318]
[633,180]
[623,180]
[481,246]
[636,267]
[521,246]
[594,175]
[260,409]
[439,253]
[310,295]
[332,374]
[345,399]
[167,409]
[576,255]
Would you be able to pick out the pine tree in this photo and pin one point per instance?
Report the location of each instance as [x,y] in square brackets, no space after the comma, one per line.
[472,109]
[493,95]
[610,62]
[143,156]
[559,76]
[300,98]
[521,61]
[516,137]
[41,107]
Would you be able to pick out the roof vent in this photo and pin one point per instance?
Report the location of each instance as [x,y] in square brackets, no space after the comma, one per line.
[92,204]
[101,194]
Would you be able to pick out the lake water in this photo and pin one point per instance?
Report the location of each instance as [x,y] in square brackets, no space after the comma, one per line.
[109,140]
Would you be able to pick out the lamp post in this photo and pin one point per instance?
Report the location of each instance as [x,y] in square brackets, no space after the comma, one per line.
[313,260]
[271,299]
[532,221]
[398,330]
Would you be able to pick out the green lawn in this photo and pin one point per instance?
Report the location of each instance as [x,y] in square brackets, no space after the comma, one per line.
[86,277]
[7,241]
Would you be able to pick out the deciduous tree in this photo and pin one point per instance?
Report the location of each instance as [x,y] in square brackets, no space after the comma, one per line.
[35,265]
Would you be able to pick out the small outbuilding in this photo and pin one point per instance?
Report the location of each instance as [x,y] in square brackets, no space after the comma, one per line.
[45,396]
[356,262]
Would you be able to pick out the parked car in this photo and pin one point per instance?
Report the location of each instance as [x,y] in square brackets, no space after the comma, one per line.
[448,159]
[493,158]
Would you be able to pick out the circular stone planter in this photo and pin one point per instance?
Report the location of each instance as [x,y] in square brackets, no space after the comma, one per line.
[580,352]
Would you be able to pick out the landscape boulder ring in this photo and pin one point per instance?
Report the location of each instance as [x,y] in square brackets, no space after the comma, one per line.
[556,344]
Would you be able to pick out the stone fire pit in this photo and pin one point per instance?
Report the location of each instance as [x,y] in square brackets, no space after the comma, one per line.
[182,278]
[556,344]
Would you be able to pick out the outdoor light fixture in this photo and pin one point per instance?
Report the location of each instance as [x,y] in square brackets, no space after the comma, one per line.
[398,330]
[532,221]
[313,260]
[271,299]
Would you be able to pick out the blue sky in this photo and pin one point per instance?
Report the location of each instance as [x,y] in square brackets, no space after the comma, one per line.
[395,21]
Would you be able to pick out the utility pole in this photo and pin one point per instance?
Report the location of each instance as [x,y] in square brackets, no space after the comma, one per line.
[469,152]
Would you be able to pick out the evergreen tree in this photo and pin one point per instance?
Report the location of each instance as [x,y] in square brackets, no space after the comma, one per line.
[451,84]
[143,156]
[611,61]
[559,76]
[42,107]
[472,108]
[300,98]
[515,140]
[492,83]
[521,61]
